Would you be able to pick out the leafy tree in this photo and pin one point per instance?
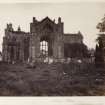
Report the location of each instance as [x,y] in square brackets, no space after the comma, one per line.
[99,54]
[101,25]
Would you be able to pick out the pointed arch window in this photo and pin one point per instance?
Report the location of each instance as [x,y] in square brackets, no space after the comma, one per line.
[44,47]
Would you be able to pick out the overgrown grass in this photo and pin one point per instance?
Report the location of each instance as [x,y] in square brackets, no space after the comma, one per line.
[57,79]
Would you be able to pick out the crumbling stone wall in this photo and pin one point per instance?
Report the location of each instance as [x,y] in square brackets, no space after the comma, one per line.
[22,46]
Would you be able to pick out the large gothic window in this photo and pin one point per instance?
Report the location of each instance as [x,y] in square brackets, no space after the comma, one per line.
[44,48]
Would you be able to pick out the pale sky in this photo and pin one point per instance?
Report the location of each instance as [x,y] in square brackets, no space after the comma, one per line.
[77,16]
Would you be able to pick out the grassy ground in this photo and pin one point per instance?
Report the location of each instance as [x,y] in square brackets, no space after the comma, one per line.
[51,80]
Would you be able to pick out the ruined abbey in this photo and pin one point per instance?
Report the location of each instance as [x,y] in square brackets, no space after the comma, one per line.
[45,39]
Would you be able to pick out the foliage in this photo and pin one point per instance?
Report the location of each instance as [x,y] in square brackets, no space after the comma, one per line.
[101,25]
[99,54]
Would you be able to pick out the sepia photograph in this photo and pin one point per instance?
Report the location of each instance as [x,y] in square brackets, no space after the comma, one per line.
[52,49]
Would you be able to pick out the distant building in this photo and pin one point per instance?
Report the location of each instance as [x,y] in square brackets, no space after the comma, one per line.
[45,39]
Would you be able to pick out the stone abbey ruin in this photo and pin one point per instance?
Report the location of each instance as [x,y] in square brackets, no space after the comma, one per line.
[45,39]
